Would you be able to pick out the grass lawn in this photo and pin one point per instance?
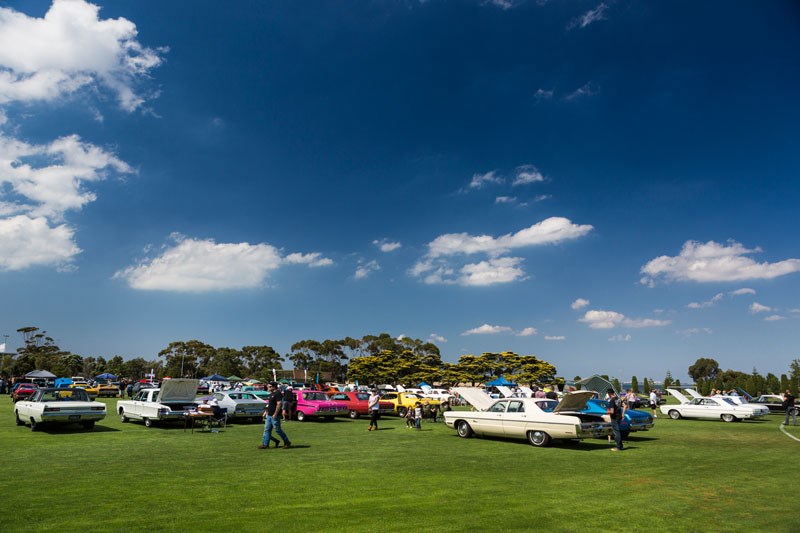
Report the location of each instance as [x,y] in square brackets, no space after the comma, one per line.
[683,475]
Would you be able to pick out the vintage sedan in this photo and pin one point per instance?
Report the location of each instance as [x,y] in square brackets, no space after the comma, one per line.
[311,403]
[403,401]
[773,402]
[534,419]
[715,408]
[62,405]
[240,405]
[357,403]
[21,391]
[632,420]
[758,410]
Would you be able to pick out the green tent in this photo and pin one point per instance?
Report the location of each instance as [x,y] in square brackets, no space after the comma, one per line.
[234,378]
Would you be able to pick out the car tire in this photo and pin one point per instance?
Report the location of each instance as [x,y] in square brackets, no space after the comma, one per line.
[463,429]
[122,418]
[34,425]
[401,411]
[147,422]
[538,438]
[675,415]
[88,425]
[17,420]
[354,414]
[727,417]
[301,416]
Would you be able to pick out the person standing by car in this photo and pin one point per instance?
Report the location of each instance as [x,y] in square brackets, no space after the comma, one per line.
[286,403]
[615,411]
[374,405]
[272,419]
[654,402]
[791,410]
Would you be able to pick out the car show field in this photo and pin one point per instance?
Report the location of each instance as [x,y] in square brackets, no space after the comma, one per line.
[682,475]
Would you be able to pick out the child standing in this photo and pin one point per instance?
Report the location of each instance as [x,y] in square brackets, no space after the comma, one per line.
[410,418]
[418,416]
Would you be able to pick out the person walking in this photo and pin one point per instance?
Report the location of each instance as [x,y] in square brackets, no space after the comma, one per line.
[654,402]
[374,405]
[791,410]
[272,419]
[615,411]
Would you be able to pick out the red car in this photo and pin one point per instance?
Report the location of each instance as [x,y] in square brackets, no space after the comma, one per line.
[357,403]
[22,391]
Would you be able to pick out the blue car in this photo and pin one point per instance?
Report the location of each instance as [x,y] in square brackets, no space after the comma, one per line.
[633,420]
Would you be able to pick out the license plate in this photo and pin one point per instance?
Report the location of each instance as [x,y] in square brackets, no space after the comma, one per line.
[74,417]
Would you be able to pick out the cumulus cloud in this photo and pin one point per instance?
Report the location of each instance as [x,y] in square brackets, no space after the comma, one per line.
[598,319]
[708,303]
[756,307]
[528,332]
[313,260]
[621,338]
[26,242]
[193,265]
[69,49]
[580,303]
[433,337]
[505,200]
[487,329]
[590,17]
[386,246]
[364,270]
[436,266]
[554,337]
[714,262]
[740,292]
[480,180]
[525,174]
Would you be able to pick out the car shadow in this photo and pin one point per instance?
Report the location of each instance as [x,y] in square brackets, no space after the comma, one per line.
[54,430]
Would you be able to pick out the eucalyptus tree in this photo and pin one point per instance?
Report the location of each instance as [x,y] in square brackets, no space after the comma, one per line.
[259,361]
[186,358]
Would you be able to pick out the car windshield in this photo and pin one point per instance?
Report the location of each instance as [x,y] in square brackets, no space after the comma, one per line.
[728,400]
[62,395]
[315,396]
[546,405]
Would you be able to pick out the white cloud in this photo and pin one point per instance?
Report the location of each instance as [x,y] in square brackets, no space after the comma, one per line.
[700,305]
[27,242]
[543,94]
[621,338]
[580,303]
[487,329]
[526,174]
[527,332]
[713,262]
[740,292]
[386,246]
[313,260]
[554,337]
[598,319]
[70,49]
[479,180]
[756,307]
[366,269]
[505,200]
[433,337]
[585,90]
[694,331]
[491,272]
[591,16]
[774,318]
[193,265]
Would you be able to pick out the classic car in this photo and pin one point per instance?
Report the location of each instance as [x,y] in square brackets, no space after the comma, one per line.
[773,402]
[534,419]
[443,395]
[632,420]
[403,401]
[173,401]
[240,404]
[21,391]
[759,410]
[102,390]
[92,392]
[357,403]
[312,403]
[58,405]
[706,407]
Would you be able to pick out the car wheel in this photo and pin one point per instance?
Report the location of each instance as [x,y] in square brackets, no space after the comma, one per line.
[88,425]
[354,414]
[300,416]
[401,411]
[19,422]
[538,438]
[122,417]
[727,417]
[147,422]
[675,415]
[463,429]
[34,425]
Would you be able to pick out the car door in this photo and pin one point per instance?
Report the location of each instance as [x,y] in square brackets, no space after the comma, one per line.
[515,421]
[490,422]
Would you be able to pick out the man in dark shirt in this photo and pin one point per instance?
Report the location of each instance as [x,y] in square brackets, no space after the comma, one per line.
[272,419]
[791,410]
[615,411]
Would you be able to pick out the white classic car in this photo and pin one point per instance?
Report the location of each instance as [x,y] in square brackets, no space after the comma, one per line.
[173,401]
[59,405]
[759,410]
[526,418]
[238,404]
[707,407]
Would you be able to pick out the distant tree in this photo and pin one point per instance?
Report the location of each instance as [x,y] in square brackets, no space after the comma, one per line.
[667,380]
[635,384]
[704,369]
[617,386]
[773,385]
[186,358]
[647,386]
[260,360]
[226,362]
[115,365]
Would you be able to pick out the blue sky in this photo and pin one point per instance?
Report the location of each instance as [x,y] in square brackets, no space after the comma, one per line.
[611,186]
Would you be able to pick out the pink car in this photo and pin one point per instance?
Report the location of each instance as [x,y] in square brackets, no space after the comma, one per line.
[312,403]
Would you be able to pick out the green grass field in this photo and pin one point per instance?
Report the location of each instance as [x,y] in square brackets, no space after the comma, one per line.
[681,476]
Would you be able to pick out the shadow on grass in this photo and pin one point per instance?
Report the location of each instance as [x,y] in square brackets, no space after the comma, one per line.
[574,444]
[68,430]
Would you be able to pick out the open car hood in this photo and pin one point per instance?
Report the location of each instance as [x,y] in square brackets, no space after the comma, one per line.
[574,401]
[678,395]
[178,390]
[475,397]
